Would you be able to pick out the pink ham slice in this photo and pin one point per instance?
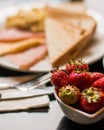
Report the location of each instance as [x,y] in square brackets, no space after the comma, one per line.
[28,57]
[14,34]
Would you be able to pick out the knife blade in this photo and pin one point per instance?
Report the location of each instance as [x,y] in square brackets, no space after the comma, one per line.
[26,94]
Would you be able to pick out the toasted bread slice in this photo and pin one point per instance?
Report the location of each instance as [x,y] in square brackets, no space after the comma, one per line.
[67,35]
[72,7]
[78,20]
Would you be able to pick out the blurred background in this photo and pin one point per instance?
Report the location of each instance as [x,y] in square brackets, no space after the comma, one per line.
[95,3]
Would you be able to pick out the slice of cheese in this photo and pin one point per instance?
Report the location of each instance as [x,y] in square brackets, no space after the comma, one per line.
[14,47]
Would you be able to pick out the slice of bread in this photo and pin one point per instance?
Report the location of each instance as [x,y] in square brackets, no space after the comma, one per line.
[79,20]
[67,34]
[72,7]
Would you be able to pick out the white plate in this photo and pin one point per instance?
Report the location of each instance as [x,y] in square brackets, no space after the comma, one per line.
[92,53]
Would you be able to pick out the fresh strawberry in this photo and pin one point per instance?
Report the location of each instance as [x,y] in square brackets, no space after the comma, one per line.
[59,79]
[70,68]
[69,94]
[99,84]
[83,66]
[81,80]
[91,99]
[75,65]
[95,76]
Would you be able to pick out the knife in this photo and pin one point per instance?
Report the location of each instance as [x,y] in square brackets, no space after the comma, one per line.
[25,94]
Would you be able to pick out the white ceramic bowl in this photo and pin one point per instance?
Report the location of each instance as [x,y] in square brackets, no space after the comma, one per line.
[77,115]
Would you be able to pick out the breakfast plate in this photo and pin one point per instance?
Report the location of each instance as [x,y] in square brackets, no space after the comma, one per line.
[93,52]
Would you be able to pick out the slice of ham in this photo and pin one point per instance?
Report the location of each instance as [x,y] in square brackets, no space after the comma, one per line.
[14,34]
[28,57]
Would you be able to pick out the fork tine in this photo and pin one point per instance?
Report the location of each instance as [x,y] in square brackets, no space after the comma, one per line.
[35,83]
[40,79]
[36,80]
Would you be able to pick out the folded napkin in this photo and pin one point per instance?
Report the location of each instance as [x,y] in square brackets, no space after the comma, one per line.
[20,104]
[24,104]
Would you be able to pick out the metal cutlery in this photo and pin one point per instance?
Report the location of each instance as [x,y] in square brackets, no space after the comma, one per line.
[30,84]
[34,83]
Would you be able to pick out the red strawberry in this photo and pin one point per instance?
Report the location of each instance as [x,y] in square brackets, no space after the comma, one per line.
[99,84]
[70,68]
[76,65]
[83,66]
[81,80]
[95,76]
[69,94]
[72,65]
[92,99]
[59,79]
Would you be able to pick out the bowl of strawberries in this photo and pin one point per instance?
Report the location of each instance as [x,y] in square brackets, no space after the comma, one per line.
[79,92]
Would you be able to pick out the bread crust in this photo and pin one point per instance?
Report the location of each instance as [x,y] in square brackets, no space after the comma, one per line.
[84,23]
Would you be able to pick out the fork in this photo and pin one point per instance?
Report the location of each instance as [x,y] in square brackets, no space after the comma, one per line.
[35,83]
[30,84]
